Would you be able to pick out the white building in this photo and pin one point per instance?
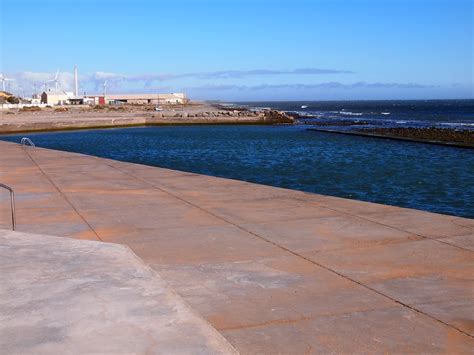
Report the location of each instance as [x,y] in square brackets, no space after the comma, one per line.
[173,98]
[55,97]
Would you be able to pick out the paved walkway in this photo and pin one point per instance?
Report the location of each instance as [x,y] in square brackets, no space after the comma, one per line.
[273,270]
[65,296]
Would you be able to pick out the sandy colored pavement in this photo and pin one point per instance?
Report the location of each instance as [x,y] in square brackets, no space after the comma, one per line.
[69,296]
[273,270]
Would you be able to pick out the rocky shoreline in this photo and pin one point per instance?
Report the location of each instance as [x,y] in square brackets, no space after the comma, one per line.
[425,134]
[70,118]
[267,116]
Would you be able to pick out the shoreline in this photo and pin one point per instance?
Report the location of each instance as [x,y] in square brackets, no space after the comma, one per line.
[466,145]
[72,118]
[74,127]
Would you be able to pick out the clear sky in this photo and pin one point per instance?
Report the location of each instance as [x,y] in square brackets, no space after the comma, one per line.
[244,49]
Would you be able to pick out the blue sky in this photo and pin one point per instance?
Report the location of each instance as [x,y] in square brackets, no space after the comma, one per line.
[245,49]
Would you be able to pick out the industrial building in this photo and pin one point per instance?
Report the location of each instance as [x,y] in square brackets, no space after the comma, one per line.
[174,98]
[52,97]
[60,97]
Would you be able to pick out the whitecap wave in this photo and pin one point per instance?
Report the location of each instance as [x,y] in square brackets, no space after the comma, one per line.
[349,113]
[457,124]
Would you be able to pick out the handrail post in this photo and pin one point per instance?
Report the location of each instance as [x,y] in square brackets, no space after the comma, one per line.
[12,203]
[25,141]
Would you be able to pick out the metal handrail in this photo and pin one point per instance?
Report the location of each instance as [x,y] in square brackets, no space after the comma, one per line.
[26,140]
[12,203]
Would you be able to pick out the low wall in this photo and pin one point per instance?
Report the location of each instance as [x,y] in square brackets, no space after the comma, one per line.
[67,123]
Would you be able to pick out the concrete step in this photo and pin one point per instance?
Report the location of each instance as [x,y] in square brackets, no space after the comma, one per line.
[61,295]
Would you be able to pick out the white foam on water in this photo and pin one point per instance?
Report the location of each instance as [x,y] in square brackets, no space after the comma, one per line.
[456,124]
[349,113]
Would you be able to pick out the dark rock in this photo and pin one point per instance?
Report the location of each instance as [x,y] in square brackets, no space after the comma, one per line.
[429,134]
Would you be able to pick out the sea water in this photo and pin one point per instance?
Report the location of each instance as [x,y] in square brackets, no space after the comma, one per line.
[416,175]
[456,114]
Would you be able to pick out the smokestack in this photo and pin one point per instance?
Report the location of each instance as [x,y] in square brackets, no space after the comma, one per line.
[76,82]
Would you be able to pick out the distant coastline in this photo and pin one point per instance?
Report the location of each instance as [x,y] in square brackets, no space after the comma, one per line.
[93,117]
[446,122]
[415,121]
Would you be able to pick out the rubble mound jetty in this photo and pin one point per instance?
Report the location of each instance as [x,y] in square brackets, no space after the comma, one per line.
[428,134]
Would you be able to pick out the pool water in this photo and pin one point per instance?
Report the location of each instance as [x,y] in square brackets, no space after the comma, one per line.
[415,175]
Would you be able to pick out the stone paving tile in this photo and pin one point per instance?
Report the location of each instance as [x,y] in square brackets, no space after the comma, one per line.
[45,153]
[146,171]
[462,241]
[272,210]
[27,170]
[208,192]
[274,338]
[36,200]
[53,222]
[84,171]
[83,183]
[142,218]
[285,287]
[416,272]
[46,159]
[13,163]
[200,245]
[351,207]
[394,330]
[191,182]
[466,222]
[422,223]
[120,199]
[328,233]
[457,312]
[21,182]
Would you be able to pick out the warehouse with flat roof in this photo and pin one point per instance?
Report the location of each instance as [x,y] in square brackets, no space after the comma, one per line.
[173,98]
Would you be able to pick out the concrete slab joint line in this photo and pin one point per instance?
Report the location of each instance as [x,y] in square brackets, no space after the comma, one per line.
[395,228]
[63,195]
[273,270]
[302,257]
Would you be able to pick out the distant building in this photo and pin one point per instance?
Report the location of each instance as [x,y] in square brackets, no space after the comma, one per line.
[76,100]
[94,100]
[55,97]
[156,99]
[34,101]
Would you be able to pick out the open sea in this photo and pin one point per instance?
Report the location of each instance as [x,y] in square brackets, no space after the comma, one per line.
[457,114]
[416,175]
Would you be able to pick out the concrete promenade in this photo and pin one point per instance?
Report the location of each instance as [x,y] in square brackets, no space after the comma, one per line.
[273,270]
[66,296]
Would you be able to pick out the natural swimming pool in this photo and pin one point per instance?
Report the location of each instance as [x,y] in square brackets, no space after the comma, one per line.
[423,176]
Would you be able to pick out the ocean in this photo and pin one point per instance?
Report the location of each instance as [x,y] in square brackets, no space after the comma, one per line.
[416,175]
[456,114]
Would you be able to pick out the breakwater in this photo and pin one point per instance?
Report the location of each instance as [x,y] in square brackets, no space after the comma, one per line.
[54,120]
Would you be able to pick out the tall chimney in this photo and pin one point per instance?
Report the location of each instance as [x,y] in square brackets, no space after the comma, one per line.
[76,82]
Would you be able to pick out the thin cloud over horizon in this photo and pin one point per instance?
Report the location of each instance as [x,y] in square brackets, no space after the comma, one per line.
[95,80]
